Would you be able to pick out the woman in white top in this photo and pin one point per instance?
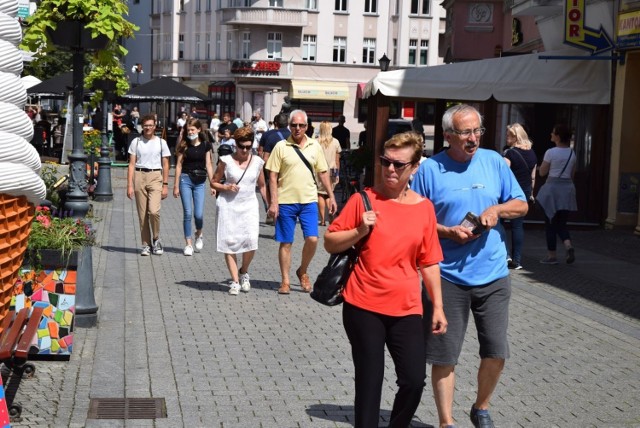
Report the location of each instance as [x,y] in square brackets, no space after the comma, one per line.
[558,195]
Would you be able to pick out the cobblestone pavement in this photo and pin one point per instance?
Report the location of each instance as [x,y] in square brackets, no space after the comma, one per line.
[168,329]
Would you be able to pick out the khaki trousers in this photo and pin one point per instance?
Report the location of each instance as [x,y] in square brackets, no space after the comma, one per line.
[148,191]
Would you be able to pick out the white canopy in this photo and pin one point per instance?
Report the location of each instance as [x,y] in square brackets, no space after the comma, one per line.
[29,81]
[517,79]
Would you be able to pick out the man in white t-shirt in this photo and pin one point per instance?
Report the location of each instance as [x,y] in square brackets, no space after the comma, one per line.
[259,128]
[148,181]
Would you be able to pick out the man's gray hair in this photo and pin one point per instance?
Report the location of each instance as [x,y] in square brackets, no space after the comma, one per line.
[447,118]
[296,112]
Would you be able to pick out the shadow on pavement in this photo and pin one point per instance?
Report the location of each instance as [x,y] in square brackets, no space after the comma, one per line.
[332,412]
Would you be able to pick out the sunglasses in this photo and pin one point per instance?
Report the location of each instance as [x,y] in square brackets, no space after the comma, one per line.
[397,165]
[242,147]
[298,125]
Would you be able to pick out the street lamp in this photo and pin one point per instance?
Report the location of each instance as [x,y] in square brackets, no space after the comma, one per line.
[137,68]
[103,191]
[384,63]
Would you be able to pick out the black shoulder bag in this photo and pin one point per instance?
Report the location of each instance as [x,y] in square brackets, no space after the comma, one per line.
[334,276]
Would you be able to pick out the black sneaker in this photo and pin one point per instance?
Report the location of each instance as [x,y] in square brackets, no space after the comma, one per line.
[480,418]
[571,256]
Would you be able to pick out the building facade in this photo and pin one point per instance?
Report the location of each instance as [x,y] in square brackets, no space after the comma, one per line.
[248,55]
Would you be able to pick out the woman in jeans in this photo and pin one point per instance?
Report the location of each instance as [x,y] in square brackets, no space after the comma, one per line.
[558,195]
[193,168]
[522,161]
[382,298]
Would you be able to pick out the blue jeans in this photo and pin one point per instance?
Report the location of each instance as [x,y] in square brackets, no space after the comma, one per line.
[192,196]
[517,238]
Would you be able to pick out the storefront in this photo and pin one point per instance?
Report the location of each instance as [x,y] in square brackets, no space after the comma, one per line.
[322,100]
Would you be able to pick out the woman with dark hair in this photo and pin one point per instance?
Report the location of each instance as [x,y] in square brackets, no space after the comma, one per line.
[382,298]
[193,167]
[558,195]
[238,211]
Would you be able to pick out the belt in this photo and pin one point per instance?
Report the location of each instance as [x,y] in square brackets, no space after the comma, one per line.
[148,170]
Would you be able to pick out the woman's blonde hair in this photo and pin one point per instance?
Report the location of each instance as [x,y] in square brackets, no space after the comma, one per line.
[407,139]
[324,136]
[522,139]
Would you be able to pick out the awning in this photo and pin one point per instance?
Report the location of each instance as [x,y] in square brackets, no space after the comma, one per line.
[517,79]
[318,90]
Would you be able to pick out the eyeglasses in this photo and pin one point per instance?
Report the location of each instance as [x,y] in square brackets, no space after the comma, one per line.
[397,165]
[148,126]
[242,147]
[467,132]
[298,125]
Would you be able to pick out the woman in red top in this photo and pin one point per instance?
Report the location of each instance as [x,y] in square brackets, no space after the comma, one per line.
[383,295]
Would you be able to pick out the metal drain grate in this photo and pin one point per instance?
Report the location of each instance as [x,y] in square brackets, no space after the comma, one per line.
[127,408]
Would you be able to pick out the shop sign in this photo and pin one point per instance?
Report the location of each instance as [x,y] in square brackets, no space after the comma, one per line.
[579,35]
[256,68]
[200,68]
[629,30]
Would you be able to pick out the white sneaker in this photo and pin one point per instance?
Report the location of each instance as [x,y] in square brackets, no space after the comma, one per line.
[235,289]
[188,250]
[157,247]
[146,250]
[245,285]
[199,243]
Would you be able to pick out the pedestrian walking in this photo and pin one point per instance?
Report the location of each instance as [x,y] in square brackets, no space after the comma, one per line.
[237,208]
[382,298]
[331,148]
[558,194]
[193,169]
[292,166]
[523,162]
[148,181]
[461,181]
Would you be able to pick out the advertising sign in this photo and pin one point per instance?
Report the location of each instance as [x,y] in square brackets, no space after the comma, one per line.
[629,30]
[579,35]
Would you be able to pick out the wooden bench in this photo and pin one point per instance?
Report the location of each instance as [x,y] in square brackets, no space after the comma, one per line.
[18,331]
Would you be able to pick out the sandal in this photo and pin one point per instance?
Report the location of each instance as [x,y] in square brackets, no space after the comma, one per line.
[284,288]
[305,282]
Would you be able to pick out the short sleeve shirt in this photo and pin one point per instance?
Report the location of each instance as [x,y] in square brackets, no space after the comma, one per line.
[296,184]
[149,153]
[557,158]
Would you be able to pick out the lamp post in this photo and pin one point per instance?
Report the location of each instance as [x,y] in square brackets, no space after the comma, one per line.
[384,63]
[103,191]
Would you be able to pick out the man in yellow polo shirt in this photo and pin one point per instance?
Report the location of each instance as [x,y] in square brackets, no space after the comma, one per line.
[294,195]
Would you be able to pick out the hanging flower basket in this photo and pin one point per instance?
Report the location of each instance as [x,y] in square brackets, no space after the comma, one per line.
[73,35]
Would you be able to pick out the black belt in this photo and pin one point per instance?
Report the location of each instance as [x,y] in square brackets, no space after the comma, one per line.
[148,170]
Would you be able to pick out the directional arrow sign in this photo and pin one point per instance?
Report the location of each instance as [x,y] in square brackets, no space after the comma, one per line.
[579,35]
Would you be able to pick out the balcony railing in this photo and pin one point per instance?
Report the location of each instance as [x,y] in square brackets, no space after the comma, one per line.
[264,16]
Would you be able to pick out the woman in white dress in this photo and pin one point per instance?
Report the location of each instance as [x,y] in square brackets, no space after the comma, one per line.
[238,215]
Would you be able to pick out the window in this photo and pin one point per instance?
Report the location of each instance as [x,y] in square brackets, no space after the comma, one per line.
[246,45]
[229,53]
[340,49]
[311,4]
[167,6]
[424,49]
[309,47]
[275,3]
[369,51]
[198,6]
[421,7]
[394,58]
[181,46]
[370,6]
[197,57]
[218,4]
[167,46]
[274,45]
[413,44]
[218,45]
[208,6]
[181,6]
[341,6]
[208,53]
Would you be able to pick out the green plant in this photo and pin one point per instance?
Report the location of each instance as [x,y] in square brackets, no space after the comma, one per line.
[53,230]
[50,176]
[92,142]
[102,18]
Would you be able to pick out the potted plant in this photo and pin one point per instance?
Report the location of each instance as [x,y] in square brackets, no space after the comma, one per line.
[98,25]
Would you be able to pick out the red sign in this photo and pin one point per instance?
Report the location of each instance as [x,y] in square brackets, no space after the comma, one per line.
[259,68]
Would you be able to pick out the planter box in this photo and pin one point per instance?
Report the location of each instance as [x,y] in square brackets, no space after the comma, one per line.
[74,36]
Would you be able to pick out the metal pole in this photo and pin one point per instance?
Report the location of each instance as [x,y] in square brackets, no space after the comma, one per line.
[77,202]
[103,192]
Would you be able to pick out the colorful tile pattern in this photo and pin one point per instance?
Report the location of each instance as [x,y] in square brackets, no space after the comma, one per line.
[4,412]
[55,291]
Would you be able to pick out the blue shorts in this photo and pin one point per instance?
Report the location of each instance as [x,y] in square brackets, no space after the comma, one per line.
[286,221]
[489,305]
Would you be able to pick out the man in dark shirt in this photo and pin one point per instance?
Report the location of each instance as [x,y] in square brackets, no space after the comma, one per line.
[342,134]
[271,138]
[226,123]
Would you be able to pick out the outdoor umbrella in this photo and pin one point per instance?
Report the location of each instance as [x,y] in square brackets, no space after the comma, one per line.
[164,89]
[56,87]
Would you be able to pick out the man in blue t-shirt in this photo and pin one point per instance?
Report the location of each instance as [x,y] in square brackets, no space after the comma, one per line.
[475,187]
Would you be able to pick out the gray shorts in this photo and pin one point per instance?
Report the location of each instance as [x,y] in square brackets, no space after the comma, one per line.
[489,305]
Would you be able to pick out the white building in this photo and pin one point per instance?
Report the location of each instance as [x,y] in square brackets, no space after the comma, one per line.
[250,54]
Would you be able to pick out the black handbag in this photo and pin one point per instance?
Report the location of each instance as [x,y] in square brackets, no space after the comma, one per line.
[334,276]
[198,176]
